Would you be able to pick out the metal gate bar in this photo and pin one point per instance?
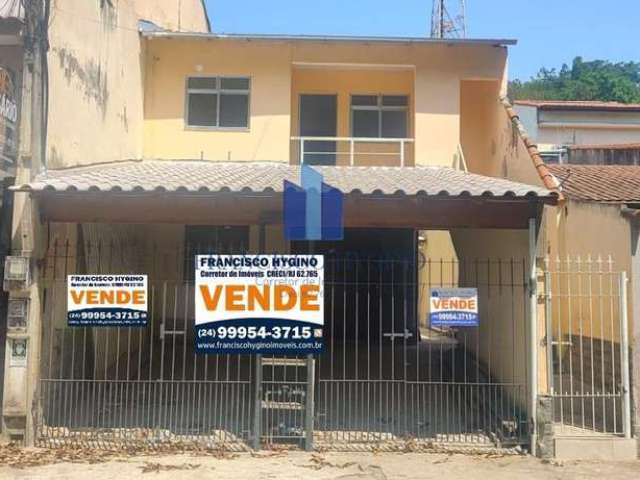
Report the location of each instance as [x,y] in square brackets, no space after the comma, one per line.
[386,376]
[587,346]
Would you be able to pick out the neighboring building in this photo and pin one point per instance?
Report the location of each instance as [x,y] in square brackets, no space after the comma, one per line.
[11,65]
[194,159]
[82,100]
[560,126]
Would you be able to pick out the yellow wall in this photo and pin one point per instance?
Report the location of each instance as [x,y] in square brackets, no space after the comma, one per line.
[95,76]
[169,63]
[500,341]
[344,83]
[280,70]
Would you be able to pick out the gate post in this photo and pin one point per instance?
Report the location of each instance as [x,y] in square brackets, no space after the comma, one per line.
[257,411]
[533,334]
[309,404]
[548,319]
[624,357]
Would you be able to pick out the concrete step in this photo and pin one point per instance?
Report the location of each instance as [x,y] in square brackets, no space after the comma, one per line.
[601,447]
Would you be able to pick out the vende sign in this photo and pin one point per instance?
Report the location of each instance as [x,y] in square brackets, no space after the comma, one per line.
[107,300]
[259,303]
[454,307]
[8,115]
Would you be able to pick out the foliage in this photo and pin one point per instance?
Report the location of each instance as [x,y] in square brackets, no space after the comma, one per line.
[594,80]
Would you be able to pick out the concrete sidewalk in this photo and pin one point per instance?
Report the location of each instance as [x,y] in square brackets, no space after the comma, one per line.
[316,466]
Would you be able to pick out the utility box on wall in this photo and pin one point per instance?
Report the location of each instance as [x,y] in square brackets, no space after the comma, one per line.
[16,273]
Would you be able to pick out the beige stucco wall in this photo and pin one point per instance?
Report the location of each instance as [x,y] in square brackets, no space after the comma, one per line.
[437,71]
[501,338]
[95,76]
[491,144]
[177,15]
[597,234]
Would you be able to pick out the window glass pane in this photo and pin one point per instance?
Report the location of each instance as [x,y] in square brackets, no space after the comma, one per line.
[364,100]
[202,82]
[202,109]
[234,110]
[394,124]
[395,101]
[365,123]
[234,83]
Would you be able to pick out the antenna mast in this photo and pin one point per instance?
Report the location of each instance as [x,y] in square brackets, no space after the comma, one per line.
[448,19]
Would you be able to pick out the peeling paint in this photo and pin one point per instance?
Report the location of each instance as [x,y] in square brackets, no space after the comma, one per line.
[54,159]
[124,118]
[90,75]
[108,14]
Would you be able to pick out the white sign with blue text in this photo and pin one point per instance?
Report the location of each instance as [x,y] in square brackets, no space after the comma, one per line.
[454,307]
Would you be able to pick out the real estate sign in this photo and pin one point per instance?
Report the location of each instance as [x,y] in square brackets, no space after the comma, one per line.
[8,115]
[107,300]
[259,304]
[454,307]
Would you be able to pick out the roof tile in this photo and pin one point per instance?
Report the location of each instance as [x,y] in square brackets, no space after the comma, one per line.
[599,183]
[190,176]
[578,105]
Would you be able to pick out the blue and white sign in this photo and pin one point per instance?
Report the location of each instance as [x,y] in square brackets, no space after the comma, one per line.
[254,304]
[454,307]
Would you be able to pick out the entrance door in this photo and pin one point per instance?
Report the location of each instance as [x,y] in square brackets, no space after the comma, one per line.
[318,118]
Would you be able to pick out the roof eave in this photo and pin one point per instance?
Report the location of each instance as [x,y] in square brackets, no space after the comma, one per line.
[328,38]
[551,199]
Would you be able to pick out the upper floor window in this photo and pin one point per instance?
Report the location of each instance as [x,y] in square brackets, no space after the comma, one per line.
[218,102]
[380,116]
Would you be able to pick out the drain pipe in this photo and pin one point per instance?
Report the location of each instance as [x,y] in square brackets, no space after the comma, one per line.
[533,335]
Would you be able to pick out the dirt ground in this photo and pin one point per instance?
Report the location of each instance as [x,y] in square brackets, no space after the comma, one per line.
[43,464]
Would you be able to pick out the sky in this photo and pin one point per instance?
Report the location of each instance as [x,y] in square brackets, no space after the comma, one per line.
[549,32]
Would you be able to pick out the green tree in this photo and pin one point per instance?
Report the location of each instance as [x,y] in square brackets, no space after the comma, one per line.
[594,80]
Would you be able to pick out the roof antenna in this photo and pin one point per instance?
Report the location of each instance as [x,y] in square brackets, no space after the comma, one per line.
[448,19]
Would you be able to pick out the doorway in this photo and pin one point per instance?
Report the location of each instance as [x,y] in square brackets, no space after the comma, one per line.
[318,118]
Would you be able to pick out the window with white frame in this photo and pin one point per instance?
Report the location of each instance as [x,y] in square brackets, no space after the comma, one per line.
[218,102]
[380,116]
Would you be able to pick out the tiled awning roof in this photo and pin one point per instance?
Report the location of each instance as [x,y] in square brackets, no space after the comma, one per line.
[207,177]
[579,105]
[599,183]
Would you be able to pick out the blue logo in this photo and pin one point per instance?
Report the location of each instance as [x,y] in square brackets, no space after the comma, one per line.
[313,211]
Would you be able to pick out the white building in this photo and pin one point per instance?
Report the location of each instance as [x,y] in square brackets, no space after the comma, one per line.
[557,125]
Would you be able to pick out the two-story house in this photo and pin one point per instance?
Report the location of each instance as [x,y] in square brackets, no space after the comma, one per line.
[398,125]
[439,190]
